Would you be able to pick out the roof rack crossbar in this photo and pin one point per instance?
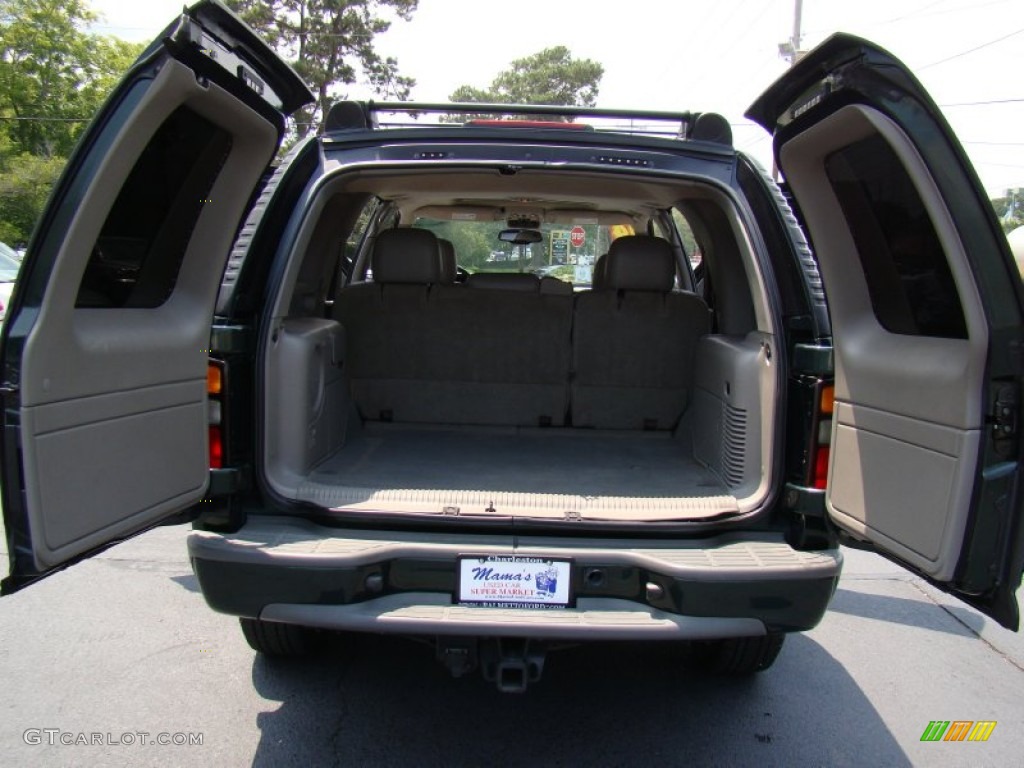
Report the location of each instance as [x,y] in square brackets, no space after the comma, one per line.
[361,115]
[525,109]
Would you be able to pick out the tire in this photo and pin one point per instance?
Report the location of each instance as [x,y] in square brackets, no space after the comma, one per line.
[278,640]
[740,656]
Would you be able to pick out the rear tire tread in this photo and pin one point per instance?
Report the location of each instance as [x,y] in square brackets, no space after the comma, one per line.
[747,655]
[279,640]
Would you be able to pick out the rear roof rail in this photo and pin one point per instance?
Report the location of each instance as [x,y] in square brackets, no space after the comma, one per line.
[691,126]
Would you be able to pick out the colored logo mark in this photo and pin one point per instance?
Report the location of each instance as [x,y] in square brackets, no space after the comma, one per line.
[958,730]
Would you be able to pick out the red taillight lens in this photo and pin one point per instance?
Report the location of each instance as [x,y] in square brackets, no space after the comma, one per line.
[822,437]
[820,479]
[216,448]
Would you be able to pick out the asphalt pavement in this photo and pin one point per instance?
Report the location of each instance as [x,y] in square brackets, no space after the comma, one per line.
[120,653]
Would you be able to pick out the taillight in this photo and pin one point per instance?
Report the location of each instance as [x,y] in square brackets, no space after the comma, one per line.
[822,437]
[215,412]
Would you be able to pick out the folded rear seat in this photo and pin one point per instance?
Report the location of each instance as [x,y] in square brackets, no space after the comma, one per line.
[634,341]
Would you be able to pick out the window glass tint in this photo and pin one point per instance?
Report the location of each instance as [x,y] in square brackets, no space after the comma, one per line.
[136,259]
[908,277]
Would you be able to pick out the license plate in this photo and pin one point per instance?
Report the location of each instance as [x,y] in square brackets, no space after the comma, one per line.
[514,582]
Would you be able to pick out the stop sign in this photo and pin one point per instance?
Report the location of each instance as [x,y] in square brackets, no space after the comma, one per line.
[577,237]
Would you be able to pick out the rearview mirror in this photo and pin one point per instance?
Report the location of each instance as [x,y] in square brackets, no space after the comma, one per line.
[520,236]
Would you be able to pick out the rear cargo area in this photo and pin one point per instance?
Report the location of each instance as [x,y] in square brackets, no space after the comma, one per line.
[512,395]
[520,471]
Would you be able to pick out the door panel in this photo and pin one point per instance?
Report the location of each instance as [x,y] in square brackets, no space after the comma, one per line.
[906,432]
[926,308]
[105,354]
[71,462]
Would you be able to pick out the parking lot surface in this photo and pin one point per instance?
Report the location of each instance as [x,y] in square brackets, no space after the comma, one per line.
[121,652]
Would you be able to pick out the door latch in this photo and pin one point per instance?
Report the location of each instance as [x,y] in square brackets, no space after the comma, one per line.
[1004,419]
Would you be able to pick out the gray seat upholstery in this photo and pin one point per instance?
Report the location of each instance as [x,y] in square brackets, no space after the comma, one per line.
[597,277]
[506,356]
[388,343]
[550,284]
[634,341]
[420,350]
[504,281]
[449,265]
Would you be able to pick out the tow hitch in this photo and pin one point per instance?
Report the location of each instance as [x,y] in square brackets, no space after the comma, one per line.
[511,663]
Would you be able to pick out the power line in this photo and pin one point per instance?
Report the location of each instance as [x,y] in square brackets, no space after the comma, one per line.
[972,50]
[981,103]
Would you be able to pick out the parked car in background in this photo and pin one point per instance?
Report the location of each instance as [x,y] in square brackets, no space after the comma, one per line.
[10,265]
[284,356]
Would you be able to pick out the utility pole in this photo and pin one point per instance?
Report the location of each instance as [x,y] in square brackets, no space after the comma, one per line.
[790,51]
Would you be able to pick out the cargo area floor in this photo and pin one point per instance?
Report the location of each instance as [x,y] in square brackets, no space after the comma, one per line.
[529,472]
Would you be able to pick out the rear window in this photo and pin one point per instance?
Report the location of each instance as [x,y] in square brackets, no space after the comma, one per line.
[908,277]
[137,257]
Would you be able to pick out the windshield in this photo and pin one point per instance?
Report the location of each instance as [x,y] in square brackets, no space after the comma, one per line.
[566,252]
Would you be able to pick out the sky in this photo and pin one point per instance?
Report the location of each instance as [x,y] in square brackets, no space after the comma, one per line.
[707,55]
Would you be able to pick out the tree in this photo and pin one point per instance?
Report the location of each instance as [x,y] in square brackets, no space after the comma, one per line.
[53,76]
[551,76]
[330,43]
[25,184]
[1010,209]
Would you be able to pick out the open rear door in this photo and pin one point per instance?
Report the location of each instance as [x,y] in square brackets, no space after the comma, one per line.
[105,347]
[926,315]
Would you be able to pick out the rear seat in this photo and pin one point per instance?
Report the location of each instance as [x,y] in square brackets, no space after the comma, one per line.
[499,350]
[423,351]
[389,347]
[634,341]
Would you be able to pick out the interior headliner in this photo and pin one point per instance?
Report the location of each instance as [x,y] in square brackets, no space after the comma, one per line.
[550,192]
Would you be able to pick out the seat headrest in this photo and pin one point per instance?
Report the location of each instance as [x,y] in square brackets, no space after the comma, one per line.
[505,281]
[406,256]
[448,265]
[549,284]
[598,278]
[640,263]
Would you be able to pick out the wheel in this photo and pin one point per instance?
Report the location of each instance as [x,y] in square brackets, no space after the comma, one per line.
[281,640]
[743,655]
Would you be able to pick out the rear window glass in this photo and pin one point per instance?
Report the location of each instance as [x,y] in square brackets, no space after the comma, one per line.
[908,277]
[136,259]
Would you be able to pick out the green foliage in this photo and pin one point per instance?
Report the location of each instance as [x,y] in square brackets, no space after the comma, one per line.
[25,185]
[330,44]
[551,76]
[53,76]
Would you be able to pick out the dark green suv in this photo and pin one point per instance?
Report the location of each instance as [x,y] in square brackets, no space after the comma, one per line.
[655,416]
